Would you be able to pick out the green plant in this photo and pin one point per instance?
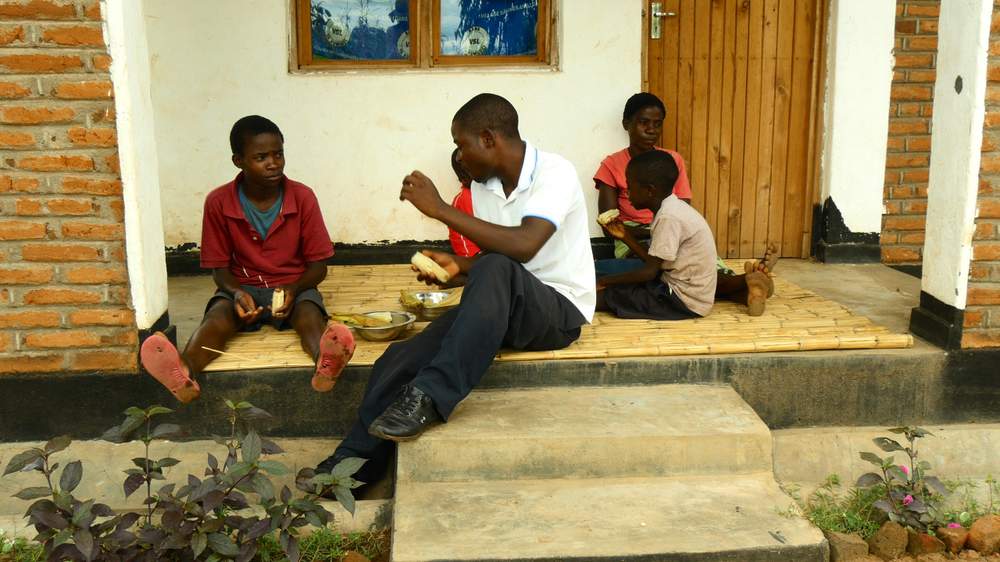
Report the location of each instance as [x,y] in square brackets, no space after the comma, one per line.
[910,494]
[965,506]
[18,549]
[210,518]
[830,508]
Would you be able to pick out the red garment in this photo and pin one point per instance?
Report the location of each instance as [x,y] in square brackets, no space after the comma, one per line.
[612,172]
[461,245]
[297,237]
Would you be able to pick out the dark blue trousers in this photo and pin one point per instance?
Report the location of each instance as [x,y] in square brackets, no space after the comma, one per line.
[502,306]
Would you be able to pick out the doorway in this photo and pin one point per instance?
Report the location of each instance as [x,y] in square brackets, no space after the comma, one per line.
[740,79]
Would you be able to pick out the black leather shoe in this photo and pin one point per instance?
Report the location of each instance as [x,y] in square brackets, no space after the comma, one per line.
[407,417]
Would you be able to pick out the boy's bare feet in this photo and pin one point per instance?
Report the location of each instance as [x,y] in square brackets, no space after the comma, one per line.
[770,260]
[759,287]
[336,347]
[162,360]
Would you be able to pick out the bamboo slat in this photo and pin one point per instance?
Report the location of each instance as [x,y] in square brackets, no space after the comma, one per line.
[795,320]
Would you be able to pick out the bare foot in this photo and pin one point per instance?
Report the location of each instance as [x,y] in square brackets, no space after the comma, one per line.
[770,260]
[759,288]
[164,363]
[336,347]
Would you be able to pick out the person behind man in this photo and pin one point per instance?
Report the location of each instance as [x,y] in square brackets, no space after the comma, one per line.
[676,276]
[533,288]
[461,245]
[642,119]
[260,232]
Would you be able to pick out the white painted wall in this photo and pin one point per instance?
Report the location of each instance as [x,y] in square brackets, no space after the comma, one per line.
[352,137]
[963,43]
[137,157]
[856,129]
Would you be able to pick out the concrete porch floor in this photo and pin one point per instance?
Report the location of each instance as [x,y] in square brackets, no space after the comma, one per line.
[878,292]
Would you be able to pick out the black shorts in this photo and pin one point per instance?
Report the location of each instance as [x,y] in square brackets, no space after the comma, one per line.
[651,300]
[262,296]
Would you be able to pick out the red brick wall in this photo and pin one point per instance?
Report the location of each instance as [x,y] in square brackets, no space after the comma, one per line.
[909,148]
[982,313]
[64,295]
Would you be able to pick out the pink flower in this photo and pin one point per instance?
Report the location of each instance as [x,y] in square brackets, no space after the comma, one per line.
[905,469]
[954,525]
[908,499]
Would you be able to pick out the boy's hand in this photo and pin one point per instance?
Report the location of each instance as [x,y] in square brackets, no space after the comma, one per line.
[246,309]
[616,229]
[286,308]
[419,190]
[447,261]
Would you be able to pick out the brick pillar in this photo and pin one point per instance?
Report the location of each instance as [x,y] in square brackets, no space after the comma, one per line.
[982,314]
[63,281]
[908,159]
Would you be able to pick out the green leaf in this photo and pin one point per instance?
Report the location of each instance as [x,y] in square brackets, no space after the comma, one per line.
[57,444]
[887,445]
[230,405]
[128,427]
[920,432]
[223,544]
[936,485]
[22,459]
[897,473]
[157,410]
[868,480]
[84,543]
[263,487]
[82,515]
[251,447]
[33,493]
[273,467]
[348,467]
[243,405]
[345,497]
[62,537]
[132,484]
[872,458]
[198,543]
[71,476]
[134,412]
[167,462]
[898,430]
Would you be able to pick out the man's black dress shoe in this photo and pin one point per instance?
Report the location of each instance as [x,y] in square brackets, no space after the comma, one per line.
[407,417]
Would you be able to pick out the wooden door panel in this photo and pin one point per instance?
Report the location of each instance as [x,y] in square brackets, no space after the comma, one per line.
[738,79]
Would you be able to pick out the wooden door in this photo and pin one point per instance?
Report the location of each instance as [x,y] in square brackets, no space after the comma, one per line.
[739,79]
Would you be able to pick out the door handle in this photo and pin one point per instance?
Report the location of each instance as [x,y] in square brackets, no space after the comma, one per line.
[655,27]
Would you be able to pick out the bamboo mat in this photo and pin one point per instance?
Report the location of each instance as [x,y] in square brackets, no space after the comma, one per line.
[795,320]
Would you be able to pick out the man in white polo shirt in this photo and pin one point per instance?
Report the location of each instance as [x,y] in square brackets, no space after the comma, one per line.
[532,287]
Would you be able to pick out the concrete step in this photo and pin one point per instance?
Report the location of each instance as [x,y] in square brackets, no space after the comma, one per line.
[690,518]
[592,432]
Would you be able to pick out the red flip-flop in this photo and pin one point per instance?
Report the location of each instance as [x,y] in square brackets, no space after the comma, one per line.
[162,360]
[336,347]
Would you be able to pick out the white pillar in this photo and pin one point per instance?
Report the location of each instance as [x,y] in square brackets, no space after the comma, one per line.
[858,87]
[126,35]
[957,136]
[956,142]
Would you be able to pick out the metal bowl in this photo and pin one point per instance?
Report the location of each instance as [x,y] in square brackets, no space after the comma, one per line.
[401,321]
[425,312]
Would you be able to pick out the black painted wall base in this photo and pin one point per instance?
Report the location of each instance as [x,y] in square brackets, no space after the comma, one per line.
[185,259]
[937,322]
[162,324]
[847,253]
[833,242]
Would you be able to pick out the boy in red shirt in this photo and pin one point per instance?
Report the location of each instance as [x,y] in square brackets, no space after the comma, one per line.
[461,245]
[261,232]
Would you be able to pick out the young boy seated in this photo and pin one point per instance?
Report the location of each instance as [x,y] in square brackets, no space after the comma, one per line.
[643,120]
[676,278]
[461,245]
[261,232]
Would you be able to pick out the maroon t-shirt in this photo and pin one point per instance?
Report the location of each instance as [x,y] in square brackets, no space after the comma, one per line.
[297,237]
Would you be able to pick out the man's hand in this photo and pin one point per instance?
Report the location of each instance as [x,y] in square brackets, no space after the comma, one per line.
[419,190]
[246,309]
[616,229]
[447,261]
[286,307]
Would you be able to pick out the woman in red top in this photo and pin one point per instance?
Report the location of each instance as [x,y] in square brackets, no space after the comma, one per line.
[461,245]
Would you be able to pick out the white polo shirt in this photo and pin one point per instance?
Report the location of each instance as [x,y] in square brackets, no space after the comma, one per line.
[549,189]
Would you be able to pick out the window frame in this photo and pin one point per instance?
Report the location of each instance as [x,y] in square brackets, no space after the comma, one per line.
[425,48]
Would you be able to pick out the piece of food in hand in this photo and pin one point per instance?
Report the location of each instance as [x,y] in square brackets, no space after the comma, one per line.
[607,216]
[427,266]
[277,299]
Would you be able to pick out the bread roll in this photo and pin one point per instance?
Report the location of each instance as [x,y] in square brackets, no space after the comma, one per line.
[427,266]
